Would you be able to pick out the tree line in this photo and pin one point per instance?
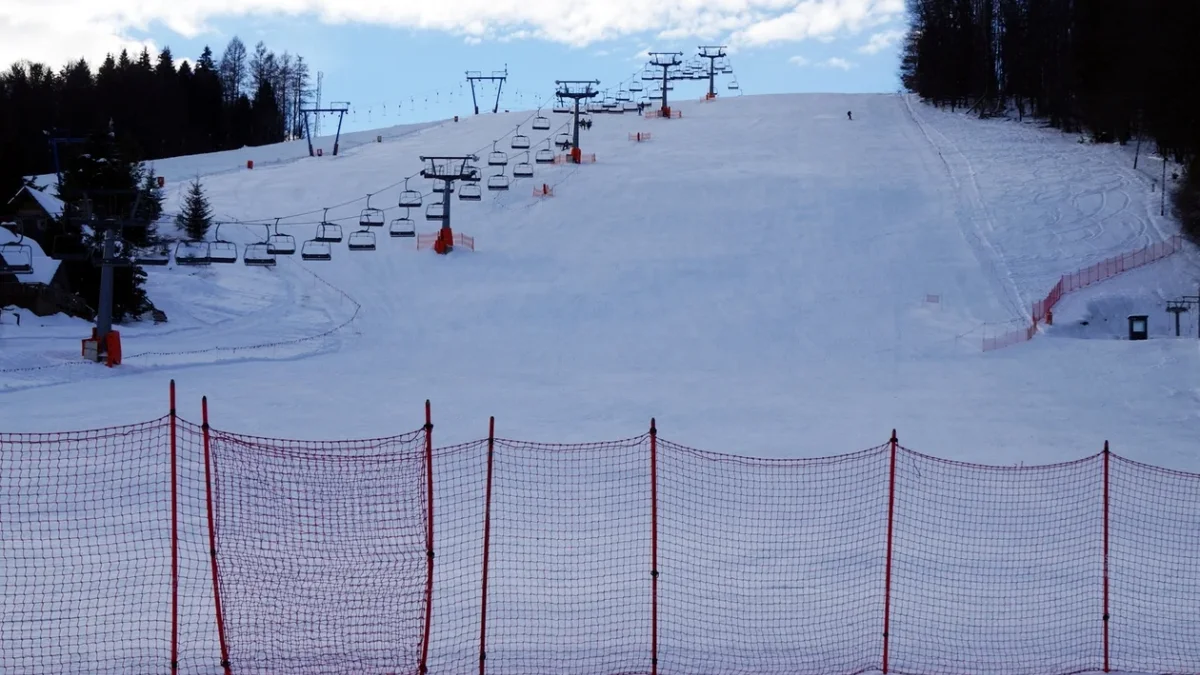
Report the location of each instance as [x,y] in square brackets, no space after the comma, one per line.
[156,106]
[1117,70]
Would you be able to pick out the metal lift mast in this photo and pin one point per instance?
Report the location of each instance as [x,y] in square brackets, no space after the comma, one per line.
[712,53]
[576,90]
[341,108]
[666,61]
[497,75]
[447,169]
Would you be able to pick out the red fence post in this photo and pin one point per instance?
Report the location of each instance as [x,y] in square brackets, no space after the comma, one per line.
[887,575]
[653,547]
[424,664]
[487,536]
[212,538]
[174,540]
[1106,556]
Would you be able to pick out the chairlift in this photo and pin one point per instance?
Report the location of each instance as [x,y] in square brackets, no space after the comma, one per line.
[327,232]
[258,254]
[523,170]
[280,244]
[435,211]
[520,142]
[497,182]
[733,85]
[623,96]
[630,106]
[156,255]
[544,156]
[473,174]
[543,123]
[650,76]
[16,257]
[222,251]
[497,157]
[371,217]
[636,85]
[363,240]
[409,198]
[470,192]
[403,227]
[562,139]
[439,186]
[315,249]
[192,252]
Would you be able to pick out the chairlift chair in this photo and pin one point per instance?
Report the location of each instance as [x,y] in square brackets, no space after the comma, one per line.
[402,227]
[563,138]
[315,249]
[497,157]
[409,198]
[630,106]
[520,142]
[156,255]
[636,85]
[258,254]
[544,156]
[192,252]
[16,257]
[542,123]
[439,186]
[370,217]
[470,192]
[330,233]
[523,170]
[733,85]
[474,175]
[280,244]
[435,211]
[497,182]
[363,240]
[222,251]
[623,96]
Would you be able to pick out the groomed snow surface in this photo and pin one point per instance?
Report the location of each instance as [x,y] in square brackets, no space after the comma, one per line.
[763,276]
[755,276]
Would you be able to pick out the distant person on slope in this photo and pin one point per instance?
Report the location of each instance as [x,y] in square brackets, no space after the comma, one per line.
[850,115]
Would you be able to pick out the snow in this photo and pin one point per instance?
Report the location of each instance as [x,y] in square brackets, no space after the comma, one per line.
[755,277]
[44,267]
[764,277]
[51,204]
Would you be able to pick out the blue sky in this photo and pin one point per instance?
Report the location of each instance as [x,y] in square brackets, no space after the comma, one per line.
[394,71]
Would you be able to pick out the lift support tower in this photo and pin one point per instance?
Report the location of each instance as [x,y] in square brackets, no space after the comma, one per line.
[666,61]
[448,169]
[712,53]
[497,76]
[576,90]
[341,107]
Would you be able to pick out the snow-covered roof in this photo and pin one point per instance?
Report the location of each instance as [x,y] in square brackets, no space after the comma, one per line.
[51,204]
[44,267]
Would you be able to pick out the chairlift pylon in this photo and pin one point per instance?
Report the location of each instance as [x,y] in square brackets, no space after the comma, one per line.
[409,198]
[280,244]
[220,250]
[362,240]
[16,257]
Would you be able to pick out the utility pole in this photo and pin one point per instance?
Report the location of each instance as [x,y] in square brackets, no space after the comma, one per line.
[474,76]
[576,90]
[666,61]
[712,53]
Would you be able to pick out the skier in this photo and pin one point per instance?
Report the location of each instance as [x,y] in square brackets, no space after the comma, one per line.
[850,115]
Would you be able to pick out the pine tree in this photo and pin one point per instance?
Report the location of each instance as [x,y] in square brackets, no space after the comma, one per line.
[196,217]
[150,206]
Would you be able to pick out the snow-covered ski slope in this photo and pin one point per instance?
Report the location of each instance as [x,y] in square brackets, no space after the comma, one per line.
[755,276]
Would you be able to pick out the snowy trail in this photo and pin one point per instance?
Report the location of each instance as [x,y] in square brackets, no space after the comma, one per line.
[754,276]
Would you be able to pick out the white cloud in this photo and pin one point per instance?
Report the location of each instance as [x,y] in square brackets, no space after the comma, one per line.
[837,62]
[881,41]
[798,61]
[58,30]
